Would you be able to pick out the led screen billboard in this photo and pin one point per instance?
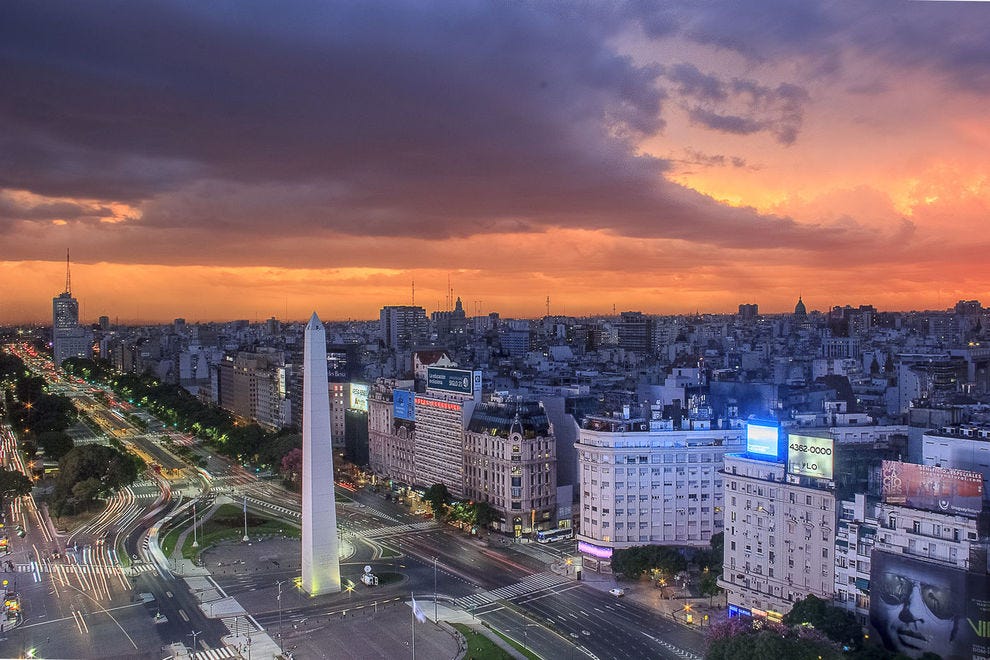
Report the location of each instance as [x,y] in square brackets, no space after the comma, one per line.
[808,456]
[763,440]
[920,607]
[404,405]
[932,488]
[458,381]
[359,397]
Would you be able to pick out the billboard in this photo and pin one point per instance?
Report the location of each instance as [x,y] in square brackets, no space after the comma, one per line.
[947,490]
[808,456]
[404,405]
[763,440]
[458,381]
[359,397]
[919,607]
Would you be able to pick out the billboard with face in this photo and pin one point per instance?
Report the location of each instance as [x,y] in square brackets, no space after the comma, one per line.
[919,607]
[932,488]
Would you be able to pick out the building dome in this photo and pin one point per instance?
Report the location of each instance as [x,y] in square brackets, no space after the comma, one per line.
[799,308]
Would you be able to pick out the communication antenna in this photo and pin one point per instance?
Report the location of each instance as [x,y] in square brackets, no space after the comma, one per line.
[414,292]
[548,305]
[68,277]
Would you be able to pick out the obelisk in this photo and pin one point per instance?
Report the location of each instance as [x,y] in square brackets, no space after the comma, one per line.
[320,556]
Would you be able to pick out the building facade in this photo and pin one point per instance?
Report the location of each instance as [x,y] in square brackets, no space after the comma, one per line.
[640,486]
[510,462]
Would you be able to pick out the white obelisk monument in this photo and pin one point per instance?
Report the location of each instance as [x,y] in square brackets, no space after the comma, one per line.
[320,556]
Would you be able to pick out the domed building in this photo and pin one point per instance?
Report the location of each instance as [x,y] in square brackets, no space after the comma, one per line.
[800,311]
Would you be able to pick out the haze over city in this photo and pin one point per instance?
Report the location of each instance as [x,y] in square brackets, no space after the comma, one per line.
[242,160]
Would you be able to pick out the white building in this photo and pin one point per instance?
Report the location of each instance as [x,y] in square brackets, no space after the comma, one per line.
[640,486]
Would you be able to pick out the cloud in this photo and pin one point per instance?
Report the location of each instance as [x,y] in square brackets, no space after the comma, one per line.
[739,106]
[362,118]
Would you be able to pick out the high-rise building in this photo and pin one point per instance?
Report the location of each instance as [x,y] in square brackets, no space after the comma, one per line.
[636,332]
[402,326]
[391,430]
[68,338]
[252,386]
[643,482]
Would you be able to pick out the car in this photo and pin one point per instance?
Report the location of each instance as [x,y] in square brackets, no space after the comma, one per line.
[617,592]
[419,512]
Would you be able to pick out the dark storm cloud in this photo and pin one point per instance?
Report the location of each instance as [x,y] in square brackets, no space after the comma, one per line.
[739,106]
[952,39]
[373,118]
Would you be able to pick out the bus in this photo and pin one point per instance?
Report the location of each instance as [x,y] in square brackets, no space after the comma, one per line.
[551,535]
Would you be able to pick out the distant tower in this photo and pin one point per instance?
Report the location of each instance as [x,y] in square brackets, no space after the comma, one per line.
[68,338]
[320,554]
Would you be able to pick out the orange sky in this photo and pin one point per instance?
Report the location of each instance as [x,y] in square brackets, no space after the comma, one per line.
[686,159]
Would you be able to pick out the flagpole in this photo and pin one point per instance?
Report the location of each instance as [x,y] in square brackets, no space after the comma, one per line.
[412,622]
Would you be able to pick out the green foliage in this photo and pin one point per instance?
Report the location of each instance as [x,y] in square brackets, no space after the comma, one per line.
[97,469]
[13,484]
[633,562]
[56,444]
[837,624]
[439,498]
[709,584]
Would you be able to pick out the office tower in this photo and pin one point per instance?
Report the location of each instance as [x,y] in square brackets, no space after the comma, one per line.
[402,326]
[68,339]
[320,555]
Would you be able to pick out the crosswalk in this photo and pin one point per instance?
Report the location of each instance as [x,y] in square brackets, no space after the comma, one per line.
[85,569]
[274,507]
[528,585]
[392,530]
[217,654]
[240,625]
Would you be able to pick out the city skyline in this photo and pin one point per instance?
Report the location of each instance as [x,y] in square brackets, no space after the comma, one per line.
[237,161]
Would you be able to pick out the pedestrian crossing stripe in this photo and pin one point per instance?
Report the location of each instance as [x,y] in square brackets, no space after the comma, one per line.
[216,654]
[528,585]
[86,569]
[240,625]
[391,530]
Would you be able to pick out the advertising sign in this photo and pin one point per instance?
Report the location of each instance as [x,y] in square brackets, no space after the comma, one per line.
[808,456]
[920,607]
[763,440]
[404,405]
[359,397]
[932,488]
[458,381]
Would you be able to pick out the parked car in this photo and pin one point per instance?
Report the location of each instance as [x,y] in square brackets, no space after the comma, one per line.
[617,592]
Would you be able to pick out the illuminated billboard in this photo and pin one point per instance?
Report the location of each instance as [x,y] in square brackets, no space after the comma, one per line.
[458,381]
[808,456]
[763,440]
[404,405]
[599,551]
[920,607]
[932,488]
[359,397]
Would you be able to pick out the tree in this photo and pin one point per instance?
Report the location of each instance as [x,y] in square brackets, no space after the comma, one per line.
[111,468]
[485,514]
[709,585]
[737,640]
[837,624]
[439,498]
[13,484]
[55,443]
[291,466]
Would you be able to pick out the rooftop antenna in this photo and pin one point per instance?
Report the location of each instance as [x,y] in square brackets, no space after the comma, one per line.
[68,277]
[548,305]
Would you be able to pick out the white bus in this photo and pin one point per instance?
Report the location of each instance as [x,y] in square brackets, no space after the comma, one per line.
[551,535]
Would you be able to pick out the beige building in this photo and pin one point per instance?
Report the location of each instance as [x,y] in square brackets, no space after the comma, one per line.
[510,462]
[391,439]
[251,387]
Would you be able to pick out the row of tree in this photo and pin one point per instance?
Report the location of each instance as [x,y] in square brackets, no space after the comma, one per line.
[470,512]
[39,419]
[175,406]
[813,630]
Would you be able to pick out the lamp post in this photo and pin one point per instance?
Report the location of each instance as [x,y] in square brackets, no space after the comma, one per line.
[279,598]
[195,539]
[435,613]
[245,539]
[194,634]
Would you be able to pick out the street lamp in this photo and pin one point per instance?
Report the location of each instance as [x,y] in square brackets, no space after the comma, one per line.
[435,614]
[279,597]
[194,634]
[245,539]
[195,540]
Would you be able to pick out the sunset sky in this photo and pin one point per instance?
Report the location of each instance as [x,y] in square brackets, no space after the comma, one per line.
[217,160]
